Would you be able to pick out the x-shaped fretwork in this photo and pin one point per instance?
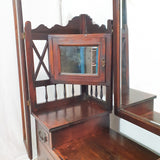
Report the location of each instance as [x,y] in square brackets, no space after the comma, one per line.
[40,59]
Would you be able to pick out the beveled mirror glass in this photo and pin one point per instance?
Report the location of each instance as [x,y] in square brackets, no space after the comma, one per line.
[79,59]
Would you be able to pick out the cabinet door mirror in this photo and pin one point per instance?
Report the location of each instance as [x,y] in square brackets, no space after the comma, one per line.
[79,59]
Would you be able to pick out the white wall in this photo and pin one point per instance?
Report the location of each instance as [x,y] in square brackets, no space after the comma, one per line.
[144,46]
[41,12]
[100,11]
[11,143]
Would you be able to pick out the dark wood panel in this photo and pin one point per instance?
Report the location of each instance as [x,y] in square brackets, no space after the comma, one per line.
[68,134]
[104,145]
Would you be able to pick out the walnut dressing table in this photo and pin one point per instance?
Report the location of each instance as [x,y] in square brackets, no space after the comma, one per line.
[73,102]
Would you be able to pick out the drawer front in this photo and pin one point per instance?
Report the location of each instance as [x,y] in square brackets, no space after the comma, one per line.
[44,150]
[43,135]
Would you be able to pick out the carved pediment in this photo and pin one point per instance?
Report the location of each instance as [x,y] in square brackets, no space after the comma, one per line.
[79,24]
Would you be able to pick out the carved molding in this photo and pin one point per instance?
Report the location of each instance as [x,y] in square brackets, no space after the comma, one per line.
[73,27]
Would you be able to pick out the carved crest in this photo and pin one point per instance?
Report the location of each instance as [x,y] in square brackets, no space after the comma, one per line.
[75,26]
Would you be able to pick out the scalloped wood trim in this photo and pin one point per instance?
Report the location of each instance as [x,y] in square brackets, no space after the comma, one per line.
[74,27]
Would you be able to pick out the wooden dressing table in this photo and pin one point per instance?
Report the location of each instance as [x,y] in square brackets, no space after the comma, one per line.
[73,125]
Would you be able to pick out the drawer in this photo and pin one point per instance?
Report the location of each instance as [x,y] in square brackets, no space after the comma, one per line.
[43,135]
[55,138]
[42,152]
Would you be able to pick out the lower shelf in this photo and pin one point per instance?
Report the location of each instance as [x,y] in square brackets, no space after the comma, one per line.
[103,145]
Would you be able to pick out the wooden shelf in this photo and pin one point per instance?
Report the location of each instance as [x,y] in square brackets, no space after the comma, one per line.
[137,107]
[77,111]
[103,145]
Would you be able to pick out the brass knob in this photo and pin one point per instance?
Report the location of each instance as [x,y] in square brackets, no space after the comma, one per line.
[42,136]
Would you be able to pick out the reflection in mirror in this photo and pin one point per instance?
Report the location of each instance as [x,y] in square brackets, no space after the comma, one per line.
[124,49]
[138,63]
[79,59]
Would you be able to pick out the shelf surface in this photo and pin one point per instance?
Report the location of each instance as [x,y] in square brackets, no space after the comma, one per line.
[65,115]
[104,145]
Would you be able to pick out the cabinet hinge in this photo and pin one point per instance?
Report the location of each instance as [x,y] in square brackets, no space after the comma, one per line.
[23,35]
[28,103]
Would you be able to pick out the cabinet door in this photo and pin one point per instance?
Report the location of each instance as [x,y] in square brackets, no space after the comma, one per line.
[80,58]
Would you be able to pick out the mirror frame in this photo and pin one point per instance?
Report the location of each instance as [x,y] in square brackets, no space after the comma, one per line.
[121,58]
[104,49]
[116,54]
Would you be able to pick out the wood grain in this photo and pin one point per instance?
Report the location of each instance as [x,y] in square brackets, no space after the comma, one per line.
[104,145]
[65,115]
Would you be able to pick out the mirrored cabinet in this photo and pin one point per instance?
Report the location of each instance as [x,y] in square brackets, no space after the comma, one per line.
[80,58]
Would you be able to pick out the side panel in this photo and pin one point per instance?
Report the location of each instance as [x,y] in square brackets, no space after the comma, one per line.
[23,85]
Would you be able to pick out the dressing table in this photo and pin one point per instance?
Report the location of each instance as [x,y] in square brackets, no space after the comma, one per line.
[81,63]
